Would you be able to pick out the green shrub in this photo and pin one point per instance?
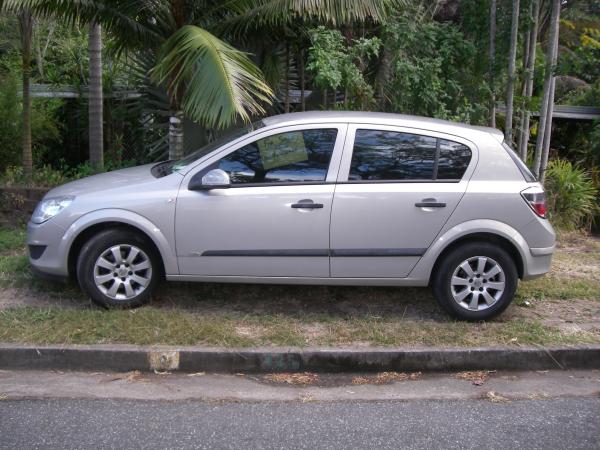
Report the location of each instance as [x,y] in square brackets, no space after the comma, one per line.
[572,197]
[44,176]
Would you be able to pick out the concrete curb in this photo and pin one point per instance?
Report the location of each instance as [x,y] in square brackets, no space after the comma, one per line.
[199,359]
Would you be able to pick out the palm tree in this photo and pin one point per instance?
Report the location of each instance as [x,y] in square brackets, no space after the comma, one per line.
[545,124]
[96,99]
[26,29]
[510,87]
[208,80]
[492,62]
[533,32]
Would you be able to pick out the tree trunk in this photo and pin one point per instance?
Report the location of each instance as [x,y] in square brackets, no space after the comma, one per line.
[383,75]
[302,80]
[492,62]
[548,131]
[95,111]
[548,83]
[26,29]
[529,80]
[287,79]
[510,87]
[176,136]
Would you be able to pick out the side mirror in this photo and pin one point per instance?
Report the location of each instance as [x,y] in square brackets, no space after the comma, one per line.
[213,179]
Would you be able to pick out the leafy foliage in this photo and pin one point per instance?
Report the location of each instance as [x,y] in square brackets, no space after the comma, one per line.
[431,70]
[572,198]
[336,64]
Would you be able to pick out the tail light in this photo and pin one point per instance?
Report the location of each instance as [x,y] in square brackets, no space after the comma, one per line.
[536,198]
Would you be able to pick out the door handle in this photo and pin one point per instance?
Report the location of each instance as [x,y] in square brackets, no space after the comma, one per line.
[430,205]
[307,204]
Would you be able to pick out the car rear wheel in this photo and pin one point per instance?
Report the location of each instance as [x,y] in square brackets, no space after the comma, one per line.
[475,281]
[118,269]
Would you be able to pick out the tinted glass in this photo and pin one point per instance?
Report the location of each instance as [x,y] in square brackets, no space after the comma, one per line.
[454,159]
[294,156]
[389,155]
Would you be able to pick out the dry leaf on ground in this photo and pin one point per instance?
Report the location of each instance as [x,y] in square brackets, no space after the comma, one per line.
[293,378]
[197,374]
[477,377]
[495,397]
[386,377]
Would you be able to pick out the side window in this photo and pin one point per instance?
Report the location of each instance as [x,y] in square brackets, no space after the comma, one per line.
[453,161]
[389,155]
[396,156]
[295,156]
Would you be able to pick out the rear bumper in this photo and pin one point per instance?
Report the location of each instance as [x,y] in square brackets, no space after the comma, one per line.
[538,262]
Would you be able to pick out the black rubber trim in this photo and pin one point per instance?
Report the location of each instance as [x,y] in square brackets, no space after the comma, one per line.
[352,252]
[366,252]
[36,251]
[298,252]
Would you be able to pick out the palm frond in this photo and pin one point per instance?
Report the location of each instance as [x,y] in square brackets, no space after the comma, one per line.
[252,14]
[217,82]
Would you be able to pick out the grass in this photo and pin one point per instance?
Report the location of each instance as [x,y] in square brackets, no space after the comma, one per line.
[148,326]
[258,315]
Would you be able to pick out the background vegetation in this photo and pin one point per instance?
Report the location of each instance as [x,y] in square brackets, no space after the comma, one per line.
[428,58]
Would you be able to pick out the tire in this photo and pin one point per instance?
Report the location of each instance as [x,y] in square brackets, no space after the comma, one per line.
[110,283]
[471,295]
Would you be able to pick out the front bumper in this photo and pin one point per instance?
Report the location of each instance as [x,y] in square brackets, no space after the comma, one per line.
[53,261]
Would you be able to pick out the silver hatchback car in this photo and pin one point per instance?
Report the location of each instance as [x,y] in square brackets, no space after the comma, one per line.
[335,198]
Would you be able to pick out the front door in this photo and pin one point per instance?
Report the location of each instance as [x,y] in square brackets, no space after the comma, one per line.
[396,189]
[274,219]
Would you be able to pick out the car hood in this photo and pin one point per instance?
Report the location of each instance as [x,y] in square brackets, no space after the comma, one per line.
[105,181]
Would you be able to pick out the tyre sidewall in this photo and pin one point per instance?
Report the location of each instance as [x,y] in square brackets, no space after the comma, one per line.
[98,245]
[442,287]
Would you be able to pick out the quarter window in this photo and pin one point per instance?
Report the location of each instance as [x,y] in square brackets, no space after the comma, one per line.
[295,156]
[389,155]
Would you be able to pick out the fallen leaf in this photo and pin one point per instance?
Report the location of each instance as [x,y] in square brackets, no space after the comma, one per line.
[292,378]
[158,372]
[197,374]
[386,377]
[477,377]
[496,398]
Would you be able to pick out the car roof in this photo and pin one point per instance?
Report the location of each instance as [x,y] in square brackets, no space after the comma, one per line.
[380,118]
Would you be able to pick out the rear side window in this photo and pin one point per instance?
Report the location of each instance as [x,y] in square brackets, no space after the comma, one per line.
[295,156]
[529,177]
[453,160]
[389,155]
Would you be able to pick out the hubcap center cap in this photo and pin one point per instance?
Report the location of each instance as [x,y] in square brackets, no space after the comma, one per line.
[477,282]
[122,271]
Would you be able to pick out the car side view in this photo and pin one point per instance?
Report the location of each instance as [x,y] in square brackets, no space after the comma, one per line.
[335,198]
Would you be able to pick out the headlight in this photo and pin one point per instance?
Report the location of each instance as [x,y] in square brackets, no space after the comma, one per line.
[48,208]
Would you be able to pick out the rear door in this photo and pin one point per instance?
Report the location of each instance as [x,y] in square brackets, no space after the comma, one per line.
[396,189]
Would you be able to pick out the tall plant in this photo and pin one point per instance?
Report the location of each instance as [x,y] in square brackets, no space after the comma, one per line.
[207,79]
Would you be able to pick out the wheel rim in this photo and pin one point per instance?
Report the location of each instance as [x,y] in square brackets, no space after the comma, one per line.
[477,283]
[122,272]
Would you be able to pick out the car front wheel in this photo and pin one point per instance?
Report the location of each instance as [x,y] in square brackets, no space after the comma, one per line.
[475,281]
[118,269]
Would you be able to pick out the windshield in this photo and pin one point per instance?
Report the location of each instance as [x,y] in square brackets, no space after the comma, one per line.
[220,141]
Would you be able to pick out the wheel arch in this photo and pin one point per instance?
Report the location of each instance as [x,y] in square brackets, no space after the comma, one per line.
[85,227]
[487,237]
[490,231]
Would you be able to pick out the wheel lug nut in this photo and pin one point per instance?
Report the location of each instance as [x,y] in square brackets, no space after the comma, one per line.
[472,288]
[480,289]
[471,280]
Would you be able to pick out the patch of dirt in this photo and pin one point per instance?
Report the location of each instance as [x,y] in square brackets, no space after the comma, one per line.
[569,316]
[23,297]
[578,242]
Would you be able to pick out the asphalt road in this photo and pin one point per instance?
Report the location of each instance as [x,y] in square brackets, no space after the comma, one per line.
[85,423]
